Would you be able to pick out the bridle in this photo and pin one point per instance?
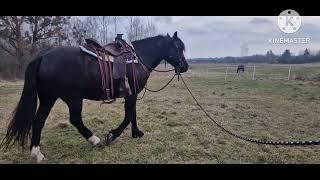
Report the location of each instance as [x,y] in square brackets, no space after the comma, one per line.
[177,70]
[149,69]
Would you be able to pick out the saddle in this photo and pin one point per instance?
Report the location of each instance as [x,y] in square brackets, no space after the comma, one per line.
[121,52]
[115,48]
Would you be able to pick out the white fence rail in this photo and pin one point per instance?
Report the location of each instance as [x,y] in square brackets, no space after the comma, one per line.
[257,71]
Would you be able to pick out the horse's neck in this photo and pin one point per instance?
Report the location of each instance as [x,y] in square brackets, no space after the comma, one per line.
[150,54]
[145,70]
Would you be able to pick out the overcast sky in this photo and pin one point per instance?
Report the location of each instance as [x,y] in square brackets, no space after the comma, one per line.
[223,36]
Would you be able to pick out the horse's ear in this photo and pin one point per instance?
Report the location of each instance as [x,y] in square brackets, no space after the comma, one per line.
[168,35]
[175,35]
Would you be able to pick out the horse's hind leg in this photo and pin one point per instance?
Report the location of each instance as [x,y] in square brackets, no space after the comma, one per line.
[75,110]
[44,109]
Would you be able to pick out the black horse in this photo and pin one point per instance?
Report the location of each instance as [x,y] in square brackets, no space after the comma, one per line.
[240,68]
[70,74]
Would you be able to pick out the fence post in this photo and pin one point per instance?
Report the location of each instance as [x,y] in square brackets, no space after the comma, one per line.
[225,78]
[254,71]
[289,72]
[207,71]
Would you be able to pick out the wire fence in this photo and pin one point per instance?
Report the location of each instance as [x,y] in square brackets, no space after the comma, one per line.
[258,71]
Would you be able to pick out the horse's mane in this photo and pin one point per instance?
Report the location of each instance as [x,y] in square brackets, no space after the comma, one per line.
[149,39]
[154,38]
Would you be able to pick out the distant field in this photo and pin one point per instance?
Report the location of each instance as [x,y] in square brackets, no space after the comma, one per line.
[176,131]
[258,71]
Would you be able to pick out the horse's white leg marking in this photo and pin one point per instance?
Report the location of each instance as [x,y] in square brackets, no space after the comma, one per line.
[94,140]
[36,153]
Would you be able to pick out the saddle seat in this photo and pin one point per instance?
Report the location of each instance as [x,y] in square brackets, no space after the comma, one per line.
[115,48]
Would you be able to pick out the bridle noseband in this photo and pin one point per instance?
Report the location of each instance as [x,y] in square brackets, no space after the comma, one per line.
[178,69]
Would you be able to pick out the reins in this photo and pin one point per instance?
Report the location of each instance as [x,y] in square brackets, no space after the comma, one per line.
[163,86]
[153,69]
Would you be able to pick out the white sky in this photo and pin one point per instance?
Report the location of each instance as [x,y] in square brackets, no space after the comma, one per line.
[206,36]
[219,36]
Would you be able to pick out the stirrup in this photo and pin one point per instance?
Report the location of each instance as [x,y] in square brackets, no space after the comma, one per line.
[109,101]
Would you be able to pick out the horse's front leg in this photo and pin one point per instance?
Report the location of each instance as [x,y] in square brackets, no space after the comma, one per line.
[130,116]
[134,127]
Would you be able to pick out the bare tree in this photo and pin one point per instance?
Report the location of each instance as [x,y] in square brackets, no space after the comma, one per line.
[139,28]
[78,32]
[130,28]
[91,26]
[150,29]
[84,28]
[11,35]
[116,21]
[105,22]
[45,30]
[21,33]
[22,36]
[135,28]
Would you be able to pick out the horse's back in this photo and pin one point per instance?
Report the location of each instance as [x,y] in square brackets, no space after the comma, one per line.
[58,61]
[66,68]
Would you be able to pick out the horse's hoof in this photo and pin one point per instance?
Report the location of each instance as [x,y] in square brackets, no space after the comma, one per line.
[137,134]
[37,155]
[44,160]
[40,159]
[99,145]
[109,139]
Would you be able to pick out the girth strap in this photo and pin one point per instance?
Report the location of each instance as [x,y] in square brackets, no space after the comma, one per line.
[110,72]
[107,86]
[134,76]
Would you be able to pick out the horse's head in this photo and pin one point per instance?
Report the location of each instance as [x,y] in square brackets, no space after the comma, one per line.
[175,55]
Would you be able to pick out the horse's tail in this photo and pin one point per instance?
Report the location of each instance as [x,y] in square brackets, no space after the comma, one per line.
[24,113]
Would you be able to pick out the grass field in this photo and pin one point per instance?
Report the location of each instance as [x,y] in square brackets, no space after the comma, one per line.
[176,131]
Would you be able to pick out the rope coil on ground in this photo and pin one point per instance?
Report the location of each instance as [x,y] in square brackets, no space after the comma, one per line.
[258,141]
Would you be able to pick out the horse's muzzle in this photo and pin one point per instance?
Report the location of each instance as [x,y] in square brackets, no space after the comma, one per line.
[184,68]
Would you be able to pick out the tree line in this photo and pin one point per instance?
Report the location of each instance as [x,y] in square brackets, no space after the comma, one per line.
[22,37]
[285,58]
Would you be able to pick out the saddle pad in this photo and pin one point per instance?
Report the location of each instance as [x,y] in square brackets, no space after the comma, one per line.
[106,58]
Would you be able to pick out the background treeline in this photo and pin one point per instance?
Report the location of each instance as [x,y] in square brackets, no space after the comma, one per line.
[269,57]
[22,37]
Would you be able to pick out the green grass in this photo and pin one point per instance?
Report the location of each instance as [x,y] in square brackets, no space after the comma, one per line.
[176,131]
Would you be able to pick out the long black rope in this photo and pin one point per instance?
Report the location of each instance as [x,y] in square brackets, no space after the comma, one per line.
[258,141]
